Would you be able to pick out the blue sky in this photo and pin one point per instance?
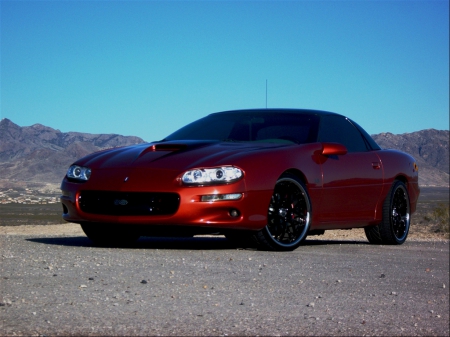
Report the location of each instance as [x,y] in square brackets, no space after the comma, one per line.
[146,68]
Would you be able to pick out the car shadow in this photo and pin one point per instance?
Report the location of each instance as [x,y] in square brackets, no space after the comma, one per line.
[191,243]
[321,242]
[196,243]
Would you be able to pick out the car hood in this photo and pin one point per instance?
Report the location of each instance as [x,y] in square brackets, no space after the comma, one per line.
[175,154]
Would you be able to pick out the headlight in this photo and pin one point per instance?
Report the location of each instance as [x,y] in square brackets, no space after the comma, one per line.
[79,172]
[201,176]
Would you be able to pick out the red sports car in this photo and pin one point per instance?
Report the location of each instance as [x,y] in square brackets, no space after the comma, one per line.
[270,176]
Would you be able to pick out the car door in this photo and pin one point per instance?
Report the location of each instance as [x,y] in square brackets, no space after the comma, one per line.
[351,183]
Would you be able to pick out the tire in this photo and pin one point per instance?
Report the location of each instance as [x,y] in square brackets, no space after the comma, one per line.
[394,227]
[289,215]
[109,235]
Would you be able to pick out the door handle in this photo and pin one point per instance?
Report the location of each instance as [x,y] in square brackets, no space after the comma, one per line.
[376,165]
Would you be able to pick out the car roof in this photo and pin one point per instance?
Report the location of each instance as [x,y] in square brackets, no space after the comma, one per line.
[280,110]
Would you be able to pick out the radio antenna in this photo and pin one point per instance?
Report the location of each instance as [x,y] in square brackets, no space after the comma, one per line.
[266,93]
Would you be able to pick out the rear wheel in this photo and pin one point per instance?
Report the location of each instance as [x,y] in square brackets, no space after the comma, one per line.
[109,234]
[394,227]
[289,216]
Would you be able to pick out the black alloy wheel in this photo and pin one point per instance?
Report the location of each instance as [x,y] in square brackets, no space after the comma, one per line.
[289,215]
[394,227]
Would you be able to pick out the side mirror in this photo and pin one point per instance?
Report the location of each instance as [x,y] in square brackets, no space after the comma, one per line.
[333,149]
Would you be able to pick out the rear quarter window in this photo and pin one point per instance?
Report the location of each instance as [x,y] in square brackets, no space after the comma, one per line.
[338,129]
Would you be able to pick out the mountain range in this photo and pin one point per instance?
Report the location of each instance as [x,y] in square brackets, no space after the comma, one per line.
[39,154]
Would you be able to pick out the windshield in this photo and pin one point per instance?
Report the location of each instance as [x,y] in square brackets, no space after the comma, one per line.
[252,127]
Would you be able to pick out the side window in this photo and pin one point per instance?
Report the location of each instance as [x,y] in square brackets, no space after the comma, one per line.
[338,129]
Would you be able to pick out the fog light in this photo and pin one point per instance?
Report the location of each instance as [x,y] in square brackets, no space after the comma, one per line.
[234,213]
[221,197]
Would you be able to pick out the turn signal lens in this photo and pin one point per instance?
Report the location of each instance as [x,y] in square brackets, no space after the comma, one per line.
[219,197]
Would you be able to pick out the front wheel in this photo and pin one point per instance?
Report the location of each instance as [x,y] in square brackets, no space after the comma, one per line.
[288,216]
[395,224]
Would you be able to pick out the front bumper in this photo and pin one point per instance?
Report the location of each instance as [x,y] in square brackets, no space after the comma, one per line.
[249,212]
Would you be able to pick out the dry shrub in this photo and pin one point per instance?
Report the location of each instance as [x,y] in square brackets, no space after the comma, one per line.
[440,217]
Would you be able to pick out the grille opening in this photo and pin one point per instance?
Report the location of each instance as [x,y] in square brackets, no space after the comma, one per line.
[128,203]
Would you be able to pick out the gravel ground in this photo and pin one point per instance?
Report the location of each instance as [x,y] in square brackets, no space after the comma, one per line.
[53,282]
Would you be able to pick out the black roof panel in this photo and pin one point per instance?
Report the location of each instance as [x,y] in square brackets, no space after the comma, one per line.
[280,110]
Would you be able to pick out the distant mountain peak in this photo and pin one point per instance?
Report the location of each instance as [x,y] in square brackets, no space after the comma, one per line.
[6,121]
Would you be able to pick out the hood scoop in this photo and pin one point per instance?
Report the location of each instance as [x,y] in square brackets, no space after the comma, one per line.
[163,147]
[157,151]
[167,147]
[172,147]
